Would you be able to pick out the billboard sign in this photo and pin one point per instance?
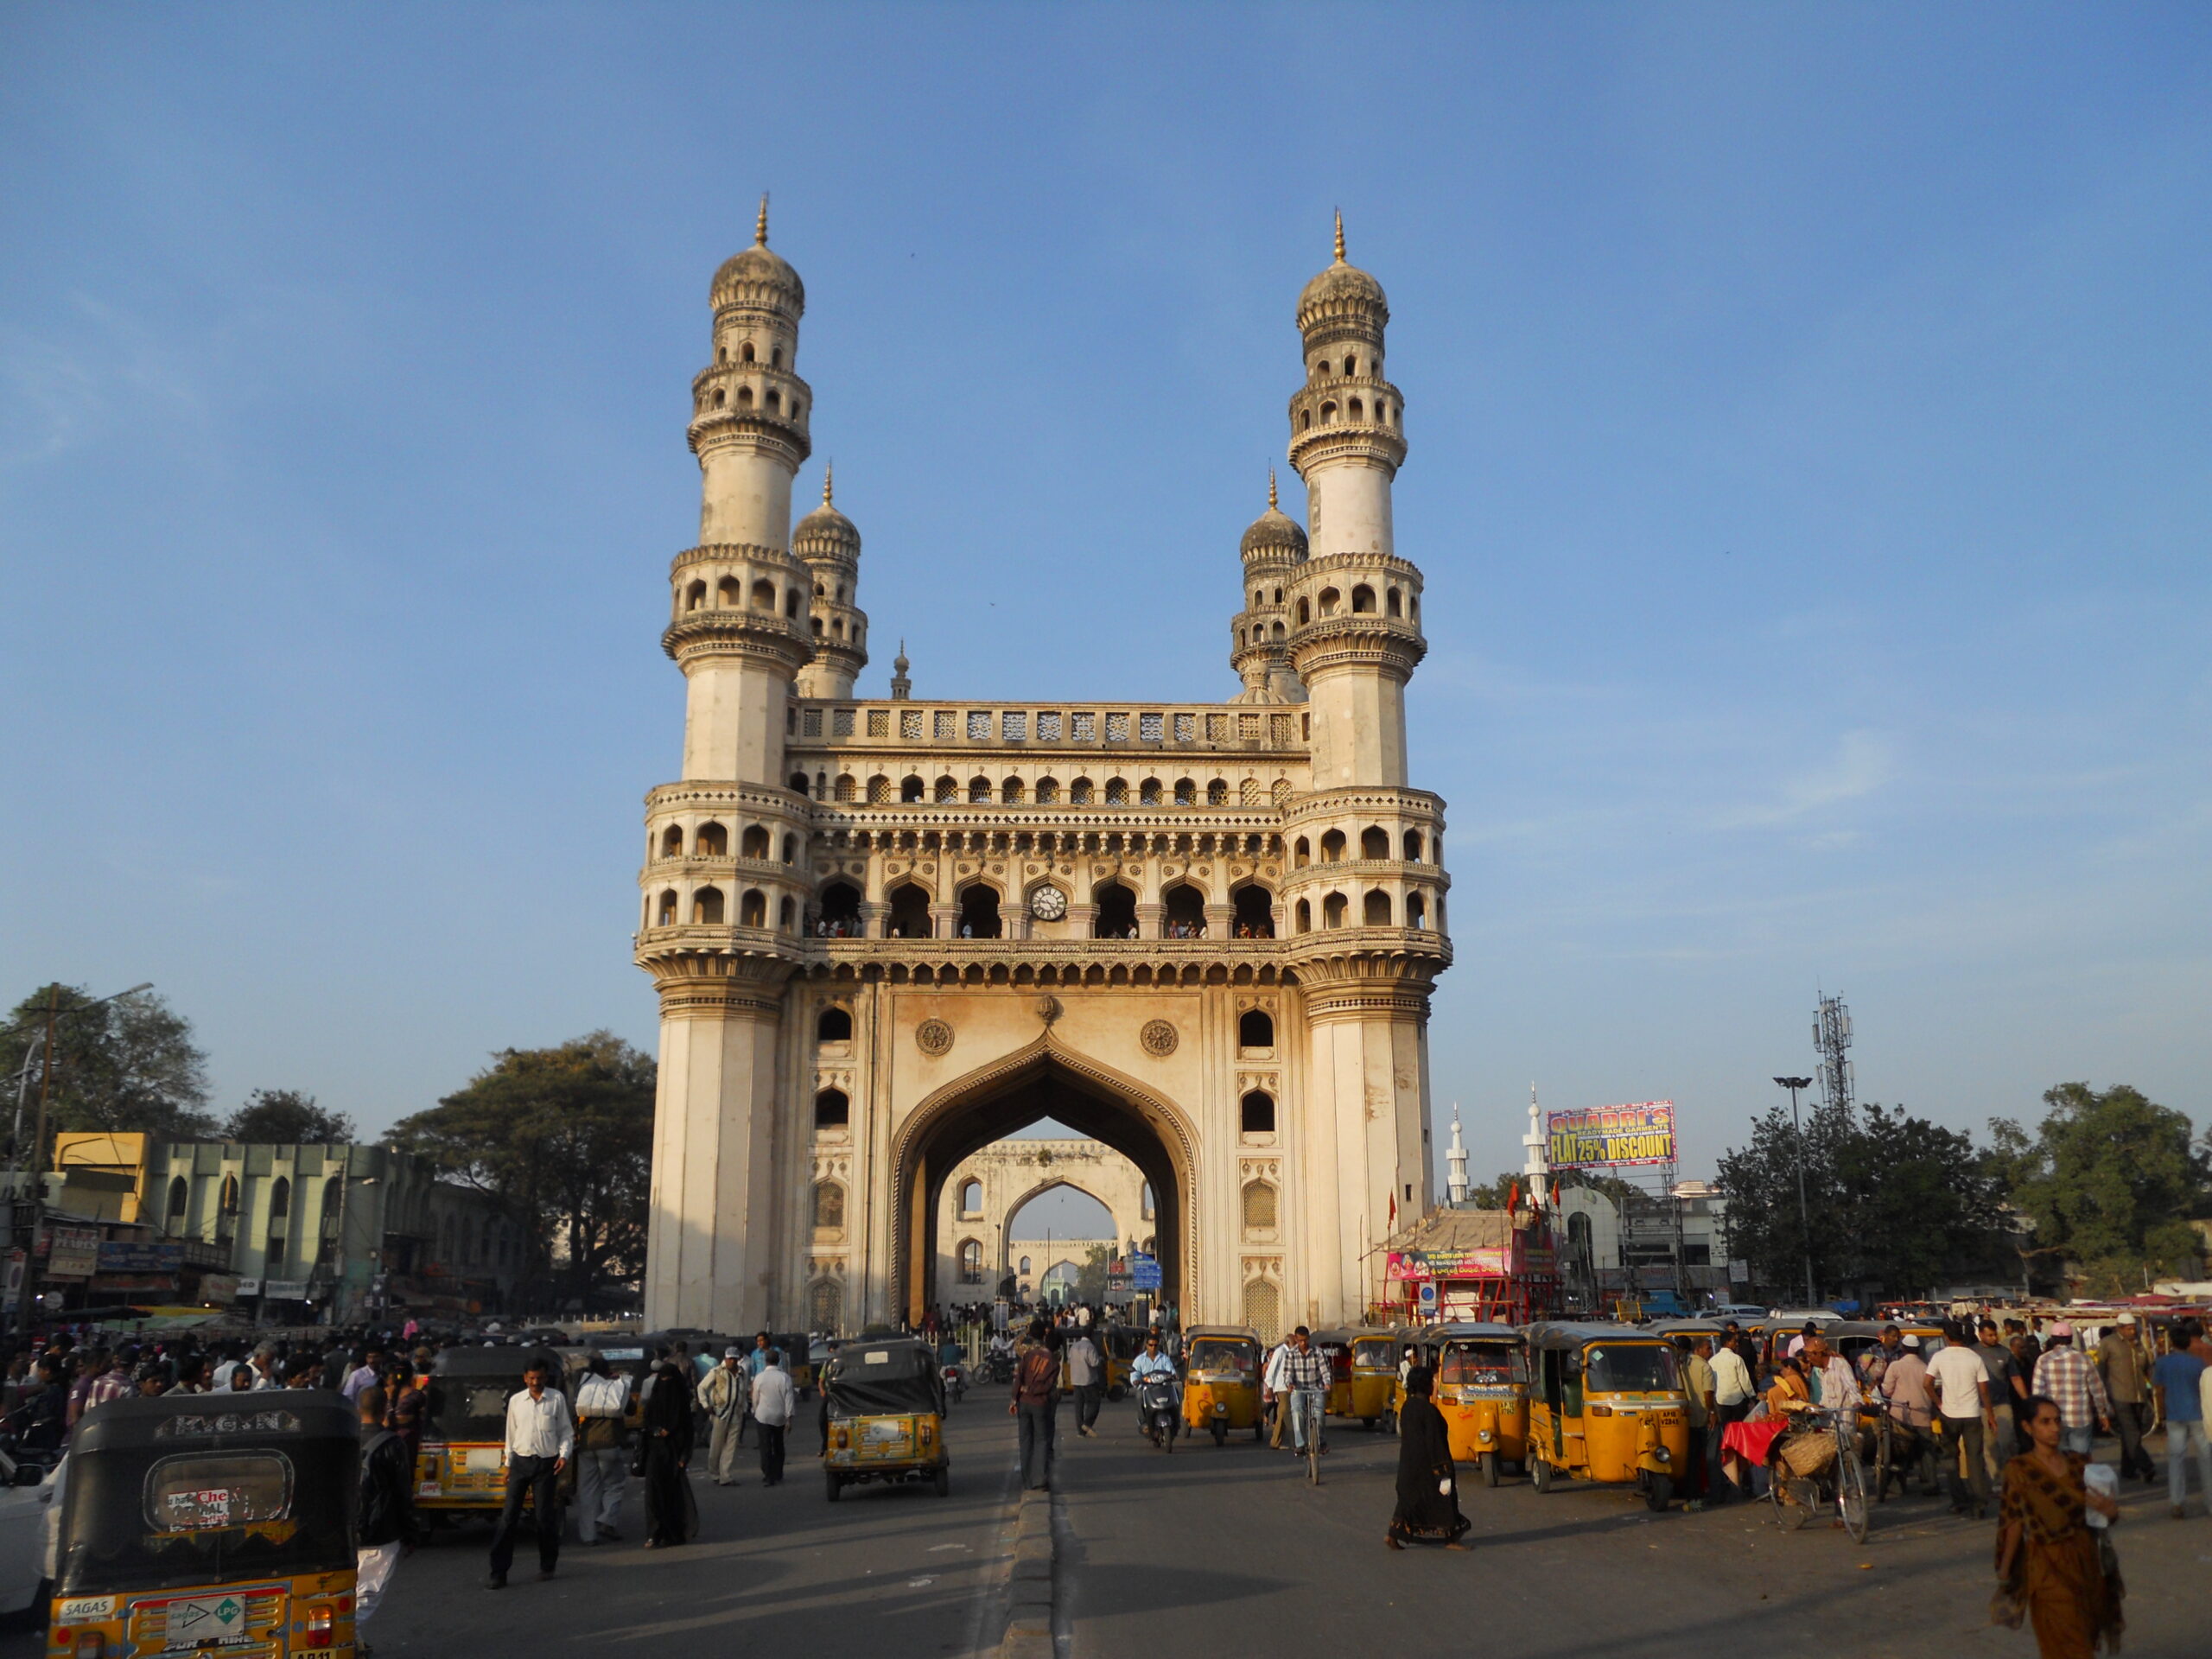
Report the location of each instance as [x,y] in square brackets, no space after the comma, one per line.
[126,1256]
[72,1252]
[1598,1137]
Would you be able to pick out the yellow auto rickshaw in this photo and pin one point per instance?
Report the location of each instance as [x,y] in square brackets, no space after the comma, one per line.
[1372,1393]
[1335,1345]
[460,1465]
[1221,1380]
[1607,1404]
[1121,1345]
[885,1402]
[1482,1388]
[191,1524]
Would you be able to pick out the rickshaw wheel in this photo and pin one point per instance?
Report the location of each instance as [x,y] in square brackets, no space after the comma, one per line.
[1489,1465]
[941,1480]
[1368,1423]
[1658,1492]
[1540,1474]
[1220,1432]
[836,1485]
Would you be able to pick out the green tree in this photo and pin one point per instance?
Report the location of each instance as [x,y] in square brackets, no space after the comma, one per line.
[288,1117]
[124,1065]
[562,1139]
[1091,1279]
[1896,1204]
[2109,1178]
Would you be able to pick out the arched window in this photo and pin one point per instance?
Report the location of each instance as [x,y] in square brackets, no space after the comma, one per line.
[1305,917]
[1147,792]
[180,1201]
[1306,420]
[1183,912]
[1186,793]
[1145,1208]
[879,790]
[828,1206]
[1374,843]
[1328,414]
[1332,911]
[1025,1265]
[1258,1207]
[745,351]
[1376,908]
[947,789]
[1302,853]
[1413,846]
[695,595]
[1390,603]
[1218,793]
[786,912]
[775,357]
[1255,1113]
[979,911]
[841,914]
[910,912]
[1333,847]
[1355,408]
[831,1109]
[1329,600]
[764,596]
[1416,911]
[1117,792]
[230,1204]
[752,909]
[1010,791]
[1117,916]
[754,843]
[706,906]
[1305,613]
[1256,1028]
[1048,791]
[668,908]
[791,604]
[971,1198]
[979,791]
[1352,367]
[280,1213]
[800,785]
[774,400]
[847,787]
[790,849]
[711,841]
[912,788]
[971,1262]
[1256,914]
[1079,792]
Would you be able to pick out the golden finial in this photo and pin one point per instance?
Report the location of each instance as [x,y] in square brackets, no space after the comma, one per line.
[1340,227]
[761,226]
[1271,489]
[829,474]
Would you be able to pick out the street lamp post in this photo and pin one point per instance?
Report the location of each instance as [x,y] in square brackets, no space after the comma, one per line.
[1797,1134]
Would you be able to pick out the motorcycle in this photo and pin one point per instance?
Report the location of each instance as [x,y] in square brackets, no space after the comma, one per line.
[997,1367]
[1157,1413]
[956,1382]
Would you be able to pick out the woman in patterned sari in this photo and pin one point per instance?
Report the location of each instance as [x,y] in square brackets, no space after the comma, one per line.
[2049,1558]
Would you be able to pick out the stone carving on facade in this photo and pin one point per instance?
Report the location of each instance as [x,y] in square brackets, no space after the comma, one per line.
[933,1037]
[1159,1038]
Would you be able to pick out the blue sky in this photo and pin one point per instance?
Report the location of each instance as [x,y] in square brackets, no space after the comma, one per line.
[1809,468]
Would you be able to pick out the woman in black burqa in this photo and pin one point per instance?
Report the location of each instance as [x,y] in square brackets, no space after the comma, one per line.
[1428,1490]
[664,1452]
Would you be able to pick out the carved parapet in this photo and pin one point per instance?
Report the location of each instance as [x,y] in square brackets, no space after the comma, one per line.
[1386,643]
[726,633]
[1349,973]
[1323,428]
[716,972]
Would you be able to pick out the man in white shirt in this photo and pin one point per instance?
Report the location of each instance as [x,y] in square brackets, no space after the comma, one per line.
[1964,1413]
[541,1435]
[1271,1390]
[774,1400]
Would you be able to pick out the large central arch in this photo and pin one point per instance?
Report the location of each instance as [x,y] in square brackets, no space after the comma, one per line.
[1046,1079]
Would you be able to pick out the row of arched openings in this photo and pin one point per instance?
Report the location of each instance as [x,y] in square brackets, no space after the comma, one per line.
[711,840]
[1183,911]
[1331,601]
[948,790]
[730,594]
[1377,908]
[1374,843]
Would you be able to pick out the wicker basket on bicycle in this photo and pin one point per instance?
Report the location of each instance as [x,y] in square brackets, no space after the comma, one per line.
[1805,1454]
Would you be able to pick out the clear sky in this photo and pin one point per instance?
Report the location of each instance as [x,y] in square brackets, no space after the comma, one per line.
[1810,467]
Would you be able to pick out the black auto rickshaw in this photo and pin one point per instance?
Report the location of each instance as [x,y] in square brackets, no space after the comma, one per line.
[460,1466]
[886,1404]
[190,1523]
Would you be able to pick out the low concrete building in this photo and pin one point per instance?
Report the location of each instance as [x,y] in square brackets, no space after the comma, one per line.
[341,1231]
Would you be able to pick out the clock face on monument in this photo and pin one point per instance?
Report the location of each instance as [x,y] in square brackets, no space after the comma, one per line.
[1048,904]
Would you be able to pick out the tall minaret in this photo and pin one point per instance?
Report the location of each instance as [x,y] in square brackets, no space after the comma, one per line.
[826,542]
[726,879]
[1533,1164]
[1455,1162]
[1259,648]
[1355,607]
[741,631]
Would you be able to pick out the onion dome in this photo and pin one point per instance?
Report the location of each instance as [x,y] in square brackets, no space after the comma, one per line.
[1340,289]
[1275,532]
[826,533]
[758,277]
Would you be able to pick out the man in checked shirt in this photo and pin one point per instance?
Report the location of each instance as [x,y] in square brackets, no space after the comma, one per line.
[1304,1384]
[2064,1374]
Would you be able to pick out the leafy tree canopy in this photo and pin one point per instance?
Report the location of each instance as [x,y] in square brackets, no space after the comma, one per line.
[2109,1178]
[563,1138]
[126,1065]
[287,1117]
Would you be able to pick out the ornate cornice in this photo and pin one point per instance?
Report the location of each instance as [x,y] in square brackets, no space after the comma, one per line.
[756,635]
[1362,640]
[774,435]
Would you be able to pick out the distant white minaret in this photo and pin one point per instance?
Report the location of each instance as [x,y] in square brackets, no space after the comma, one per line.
[1455,1162]
[1532,1146]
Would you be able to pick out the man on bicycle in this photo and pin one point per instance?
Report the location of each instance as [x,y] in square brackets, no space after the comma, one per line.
[1305,1389]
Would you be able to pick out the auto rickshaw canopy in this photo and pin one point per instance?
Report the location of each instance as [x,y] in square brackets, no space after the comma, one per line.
[470,1389]
[888,1377]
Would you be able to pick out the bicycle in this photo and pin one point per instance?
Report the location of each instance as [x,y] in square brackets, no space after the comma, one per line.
[1841,1479]
[1306,1405]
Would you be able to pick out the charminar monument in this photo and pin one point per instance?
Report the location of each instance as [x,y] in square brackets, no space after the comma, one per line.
[887,933]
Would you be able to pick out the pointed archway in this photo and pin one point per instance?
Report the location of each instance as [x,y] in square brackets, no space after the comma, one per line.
[1046,1079]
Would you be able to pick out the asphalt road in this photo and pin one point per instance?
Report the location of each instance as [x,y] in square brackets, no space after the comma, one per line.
[1213,1549]
[1209,1549]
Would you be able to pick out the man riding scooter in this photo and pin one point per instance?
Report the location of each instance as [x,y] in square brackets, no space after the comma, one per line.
[1153,1367]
